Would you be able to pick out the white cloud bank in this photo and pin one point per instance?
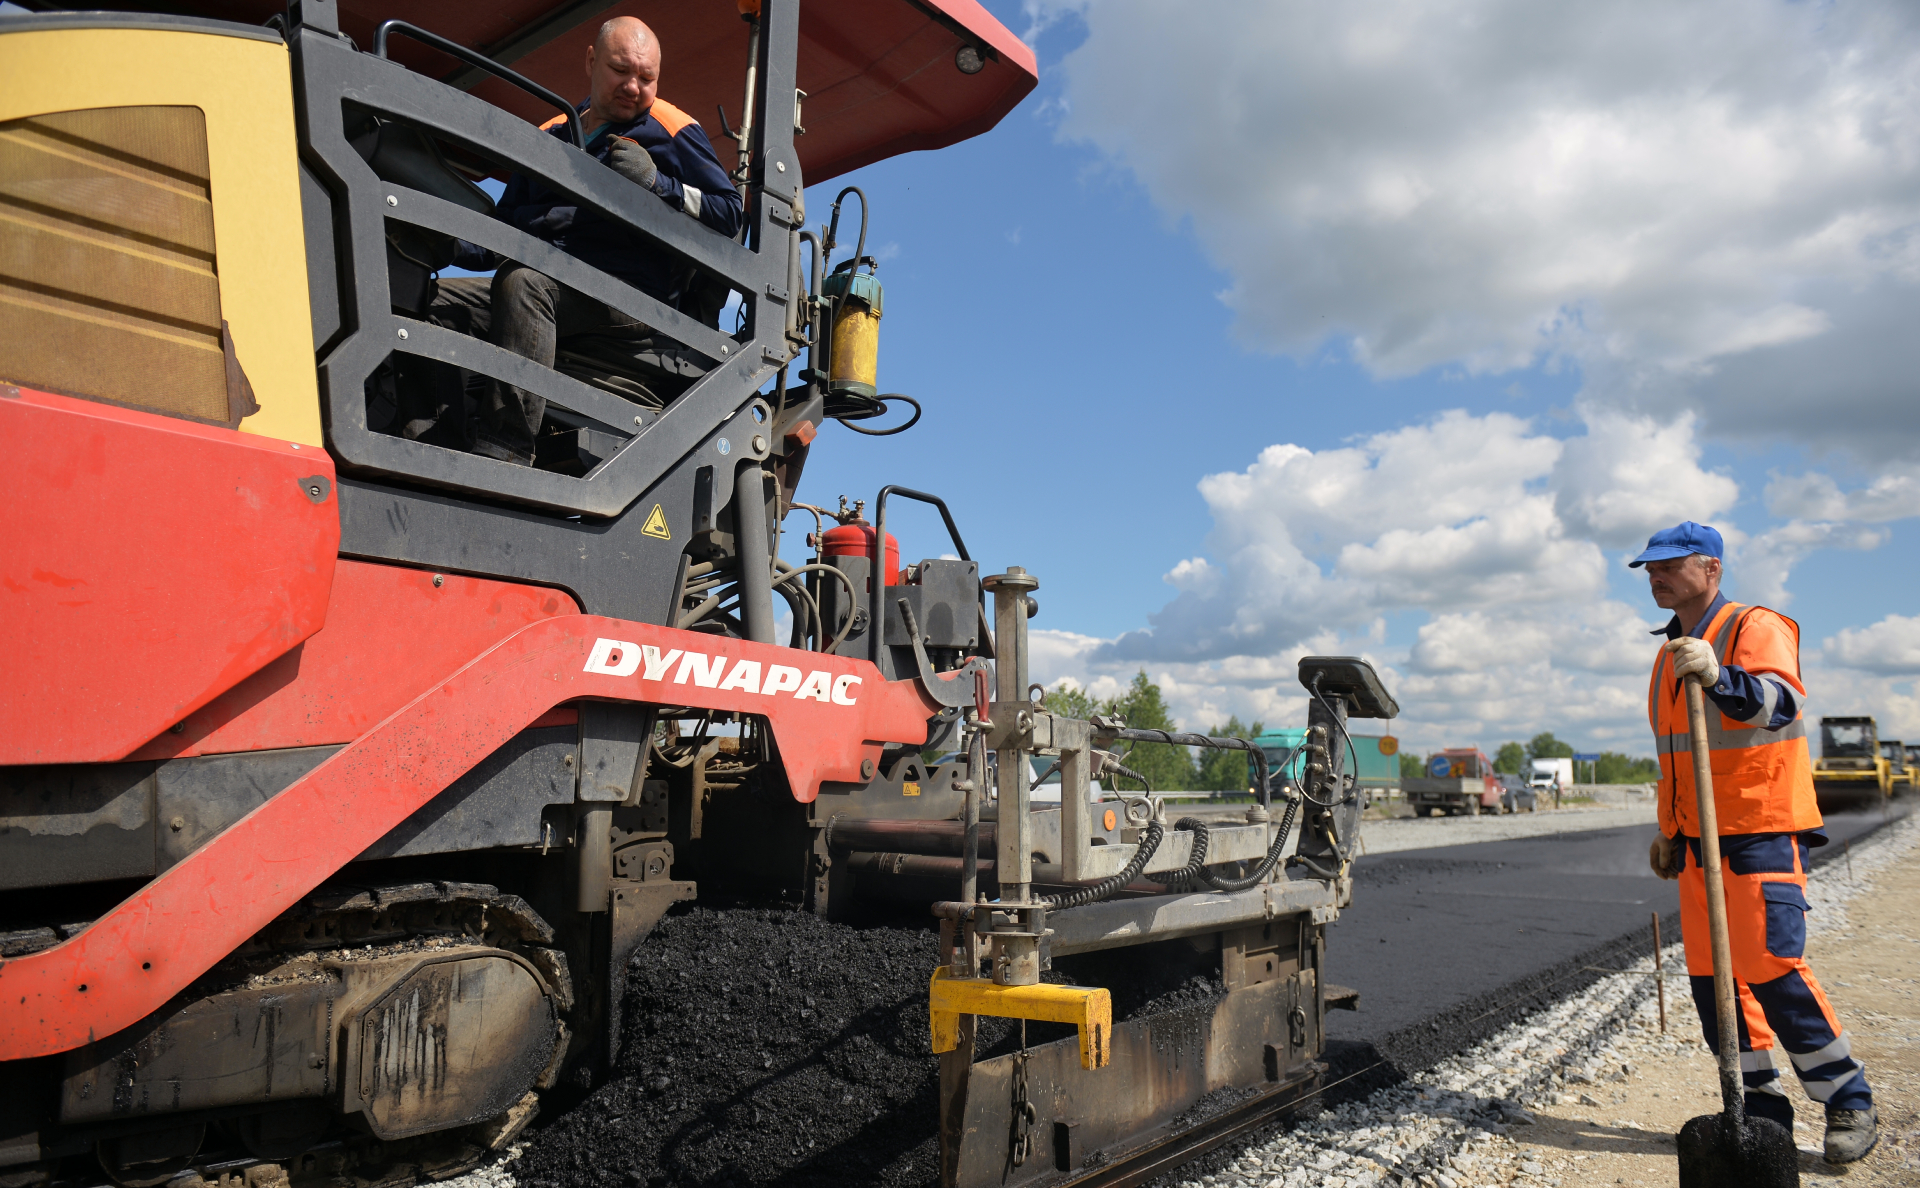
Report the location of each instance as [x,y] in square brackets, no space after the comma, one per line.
[1459,518]
[1712,210]
[1493,536]
[1711,205]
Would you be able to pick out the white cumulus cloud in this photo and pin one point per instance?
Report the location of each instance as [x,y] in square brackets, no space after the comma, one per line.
[1893,495]
[1760,566]
[1458,519]
[1630,476]
[1711,211]
[1891,646]
[1713,204]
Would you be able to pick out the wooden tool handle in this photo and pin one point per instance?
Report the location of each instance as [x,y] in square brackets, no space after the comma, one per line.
[1725,999]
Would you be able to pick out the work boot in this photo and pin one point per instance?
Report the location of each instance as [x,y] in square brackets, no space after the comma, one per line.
[1851,1134]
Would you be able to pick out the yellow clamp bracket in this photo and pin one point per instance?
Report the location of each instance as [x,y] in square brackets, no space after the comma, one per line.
[1089,1009]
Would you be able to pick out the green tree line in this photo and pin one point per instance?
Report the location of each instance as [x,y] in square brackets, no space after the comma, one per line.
[1167,768]
[1170,768]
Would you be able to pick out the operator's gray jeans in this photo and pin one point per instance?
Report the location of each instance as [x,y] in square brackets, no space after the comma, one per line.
[528,313]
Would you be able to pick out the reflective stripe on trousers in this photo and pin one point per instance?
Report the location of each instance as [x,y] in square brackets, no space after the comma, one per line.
[1783,1010]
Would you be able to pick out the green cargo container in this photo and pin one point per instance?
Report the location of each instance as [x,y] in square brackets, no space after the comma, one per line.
[1374,759]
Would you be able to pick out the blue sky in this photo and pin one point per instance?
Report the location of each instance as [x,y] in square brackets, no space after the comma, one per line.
[1095,330]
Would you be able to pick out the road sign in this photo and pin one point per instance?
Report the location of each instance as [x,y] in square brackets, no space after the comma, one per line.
[1593,758]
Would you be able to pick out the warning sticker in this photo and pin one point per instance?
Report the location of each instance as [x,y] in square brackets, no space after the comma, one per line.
[656,524]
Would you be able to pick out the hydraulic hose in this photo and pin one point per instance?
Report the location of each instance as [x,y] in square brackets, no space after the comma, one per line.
[797,571]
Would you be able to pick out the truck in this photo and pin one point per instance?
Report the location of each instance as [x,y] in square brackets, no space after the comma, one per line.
[1852,768]
[346,767]
[1459,781]
[1551,777]
[1373,759]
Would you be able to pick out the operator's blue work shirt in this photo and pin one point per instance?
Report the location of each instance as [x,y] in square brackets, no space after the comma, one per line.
[690,178]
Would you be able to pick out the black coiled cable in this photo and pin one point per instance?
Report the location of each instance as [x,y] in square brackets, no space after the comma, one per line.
[1082,896]
[1260,872]
[1196,860]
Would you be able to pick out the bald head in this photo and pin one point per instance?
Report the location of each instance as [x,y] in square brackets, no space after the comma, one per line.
[623,72]
[624,28]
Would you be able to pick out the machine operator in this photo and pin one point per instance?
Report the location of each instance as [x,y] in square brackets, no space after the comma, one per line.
[647,141]
[1748,662]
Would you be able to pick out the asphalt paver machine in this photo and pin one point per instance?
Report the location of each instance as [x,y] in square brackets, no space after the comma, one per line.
[343,770]
[1852,768]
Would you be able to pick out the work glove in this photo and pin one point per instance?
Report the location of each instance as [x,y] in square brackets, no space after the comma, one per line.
[1666,856]
[628,159]
[1695,657]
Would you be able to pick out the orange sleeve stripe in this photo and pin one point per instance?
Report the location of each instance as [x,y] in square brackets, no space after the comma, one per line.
[671,118]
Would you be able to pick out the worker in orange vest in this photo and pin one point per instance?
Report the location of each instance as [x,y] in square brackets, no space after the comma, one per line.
[1748,661]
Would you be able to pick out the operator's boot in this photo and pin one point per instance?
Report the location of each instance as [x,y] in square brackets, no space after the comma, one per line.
[1851,1134]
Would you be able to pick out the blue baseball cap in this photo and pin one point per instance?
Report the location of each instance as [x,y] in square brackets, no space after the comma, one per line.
[1680,541]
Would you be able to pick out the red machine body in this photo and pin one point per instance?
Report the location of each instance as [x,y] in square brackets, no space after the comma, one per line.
[150,565]
[829,720]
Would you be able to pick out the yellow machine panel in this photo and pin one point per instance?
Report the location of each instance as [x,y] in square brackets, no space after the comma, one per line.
[150,231]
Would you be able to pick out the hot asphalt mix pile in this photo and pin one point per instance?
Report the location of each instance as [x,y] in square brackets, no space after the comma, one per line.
[770,1047]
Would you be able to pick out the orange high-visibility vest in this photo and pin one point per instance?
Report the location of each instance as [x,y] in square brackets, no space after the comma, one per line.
[1762,779]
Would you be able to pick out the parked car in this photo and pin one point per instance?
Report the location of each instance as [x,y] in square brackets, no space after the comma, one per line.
[1516,796]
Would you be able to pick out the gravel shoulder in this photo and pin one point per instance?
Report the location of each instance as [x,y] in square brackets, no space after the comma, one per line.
[1590,1091]
[1864,944]
[1416,833]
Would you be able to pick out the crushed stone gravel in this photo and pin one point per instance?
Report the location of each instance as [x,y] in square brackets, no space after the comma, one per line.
[1455,1125]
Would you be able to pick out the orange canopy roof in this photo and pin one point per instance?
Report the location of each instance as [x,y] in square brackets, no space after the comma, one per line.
[880,75]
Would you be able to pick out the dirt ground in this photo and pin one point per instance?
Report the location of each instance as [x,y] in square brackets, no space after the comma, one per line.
[1620,1131]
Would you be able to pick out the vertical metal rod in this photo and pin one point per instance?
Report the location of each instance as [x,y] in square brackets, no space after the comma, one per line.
[1013,829]
[1659,974]
[1009,592]
[743,138]
[1725,995]
[679,591]
[755,553]
[970,819]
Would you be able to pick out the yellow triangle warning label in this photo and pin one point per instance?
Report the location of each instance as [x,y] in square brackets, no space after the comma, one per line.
[656,524]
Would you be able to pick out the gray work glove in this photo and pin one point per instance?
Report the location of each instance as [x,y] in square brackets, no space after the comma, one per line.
[1667,857]
[628,159]
[1694,657]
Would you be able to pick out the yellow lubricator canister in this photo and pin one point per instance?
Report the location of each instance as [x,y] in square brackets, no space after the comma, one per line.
[855,354]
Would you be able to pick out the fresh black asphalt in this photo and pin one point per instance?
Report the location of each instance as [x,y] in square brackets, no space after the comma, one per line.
[1432,931]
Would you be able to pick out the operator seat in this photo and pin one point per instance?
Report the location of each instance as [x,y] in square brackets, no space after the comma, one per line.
[652,372]
[406,157]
